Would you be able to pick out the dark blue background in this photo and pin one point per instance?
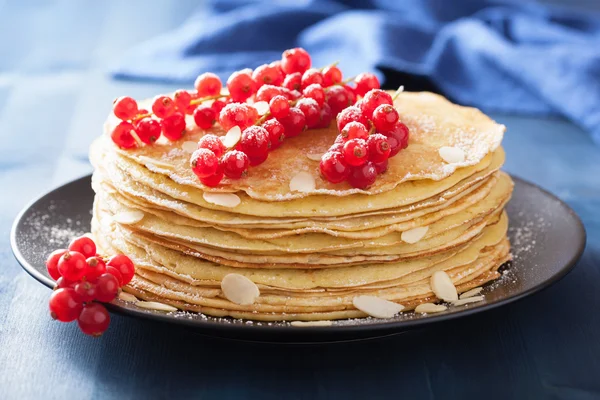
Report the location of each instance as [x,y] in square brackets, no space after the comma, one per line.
[54,96]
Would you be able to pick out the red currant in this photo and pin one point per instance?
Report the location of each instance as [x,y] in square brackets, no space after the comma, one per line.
[163,106]
[397,138]
[65,305]
[107,287]
[255,141]
[94,319]
[338,99]
[381,167]
[295,123]
[52,263]
[268,75]
[214,179]
[351,114]
[379,148]
[254,161]
[337,147]
[331,76]
[385,117]
[241,85]
[279,106]
[316,92]
[72,265]
[374,99]
[63,283]
[86,291]
[310,109]
[355,130]
[339,139]
[267,92]
[218,105]
[212,143]
[173,126]
[356,152]
[205,116]
[333,167]
[293,81]
[365,82]
[295,60]
[122,137]
[125,108]
[83,245]
[235,164]
[115,272]
[95,268]
[204,163]
[148,130]
[310,77]
[351,94]
[182,100]
[125,266]
[276,132]
[326,116]
[208,84]
[363,176]
[237,114]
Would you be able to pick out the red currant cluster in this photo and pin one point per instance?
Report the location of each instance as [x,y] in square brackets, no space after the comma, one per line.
[83,279]
[359,153]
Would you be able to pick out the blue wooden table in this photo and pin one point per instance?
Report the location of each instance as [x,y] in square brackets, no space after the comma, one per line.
[54,96]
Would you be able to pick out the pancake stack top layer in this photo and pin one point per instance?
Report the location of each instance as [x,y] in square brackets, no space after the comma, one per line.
[259,248]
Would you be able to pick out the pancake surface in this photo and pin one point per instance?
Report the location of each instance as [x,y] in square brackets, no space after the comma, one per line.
[310,253]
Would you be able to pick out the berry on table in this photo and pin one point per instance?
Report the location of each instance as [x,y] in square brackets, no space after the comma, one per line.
[217,106]
[374,99]
[397,138]
[182,99]
[86,291]
[276,132]
[255,142]
[212,143]
[124,265]
[311,77]
[241,85]
[93,319]
[72,265]
[65,305]
[295,123]
[107,288]
[122,137]
[267,92]
[381,167]
[356,152]
[204,163]
[365,82]
[52,263]
[205,116]
[315,91]
[95,267]
[173,126]
[268,74]
[163,106]
[214,179]
[148,130]
[237,114]
[208,84]
[310,109]
[293,81]
[326,116]
[333,167]
[363,176]
[338,99]
[379,148]
[385,117]
[295,60]
[331,76]
[354,130]
[279,106]
[351,114]
[125,108]
[235,164]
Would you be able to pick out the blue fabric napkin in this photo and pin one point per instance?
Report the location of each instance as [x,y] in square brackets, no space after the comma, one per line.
[494,55]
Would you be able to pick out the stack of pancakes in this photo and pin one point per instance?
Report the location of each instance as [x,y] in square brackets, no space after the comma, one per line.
[310,253]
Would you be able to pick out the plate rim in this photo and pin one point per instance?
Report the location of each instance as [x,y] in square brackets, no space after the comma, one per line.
[378,328]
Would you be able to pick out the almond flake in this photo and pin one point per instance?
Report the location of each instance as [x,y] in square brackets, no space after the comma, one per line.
[232,137]
[426,308]
[452,154]
[414,235]
[302,182]
[262,107]
[442,286]
[311,323]
[154,305]
[239,290]
[189,146]
[128,297]
[376,306]
[471,293]
[222,199]
[128,217]
[156,163]
[315,157]
[473,299]
[108,189]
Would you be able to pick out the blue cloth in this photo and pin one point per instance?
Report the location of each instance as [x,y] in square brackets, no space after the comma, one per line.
[493,55]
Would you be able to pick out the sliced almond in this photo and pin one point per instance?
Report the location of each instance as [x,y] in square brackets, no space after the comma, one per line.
[128,217]
[314,157]
[473,299]
[262,107]
[376,306]
[156,163]
[471,293]
[414,235]
[239,290]
[107,188]
[222,199]
[311,323]
[442,286]
[452,154]
[189,146]
[302,182]
[128,297]
[232,137]
[427,308]
[154,305]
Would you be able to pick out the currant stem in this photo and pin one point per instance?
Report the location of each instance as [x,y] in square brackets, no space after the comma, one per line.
[400,90]
[329,66]
[203,99]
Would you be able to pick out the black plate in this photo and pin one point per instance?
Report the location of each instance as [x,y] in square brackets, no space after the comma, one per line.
[546,235]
